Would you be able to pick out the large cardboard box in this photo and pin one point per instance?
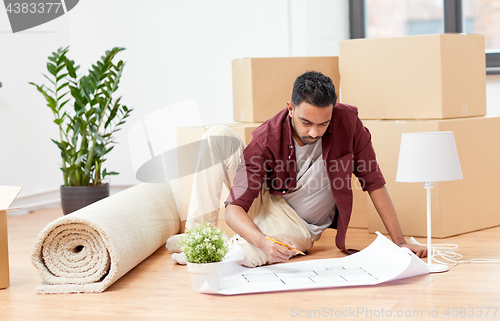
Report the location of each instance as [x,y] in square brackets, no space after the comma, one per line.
[192,135]
[262,86]
[416,77]
[7,195]
[457,207]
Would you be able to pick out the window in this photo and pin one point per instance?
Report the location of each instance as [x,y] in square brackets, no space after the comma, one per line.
[483,17]
[395,18]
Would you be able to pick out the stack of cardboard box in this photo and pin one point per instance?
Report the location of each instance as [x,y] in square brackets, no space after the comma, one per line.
[419,84]
[406,84]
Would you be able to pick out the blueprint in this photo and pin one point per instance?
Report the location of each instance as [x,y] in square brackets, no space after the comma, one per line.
[381,261]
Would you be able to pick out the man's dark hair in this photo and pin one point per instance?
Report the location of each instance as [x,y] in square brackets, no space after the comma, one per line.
[315,89]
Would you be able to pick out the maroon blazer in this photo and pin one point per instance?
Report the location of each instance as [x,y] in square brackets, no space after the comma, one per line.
[270,158]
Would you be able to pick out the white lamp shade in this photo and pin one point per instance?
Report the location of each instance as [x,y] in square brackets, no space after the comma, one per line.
[428,157]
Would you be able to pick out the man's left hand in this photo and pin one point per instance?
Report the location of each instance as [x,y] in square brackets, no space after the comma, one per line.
[419,250]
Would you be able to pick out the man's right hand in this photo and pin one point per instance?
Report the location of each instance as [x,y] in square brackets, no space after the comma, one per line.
[275,252]
[242,224]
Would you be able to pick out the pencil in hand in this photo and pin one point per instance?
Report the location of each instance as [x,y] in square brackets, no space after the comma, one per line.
[283,244]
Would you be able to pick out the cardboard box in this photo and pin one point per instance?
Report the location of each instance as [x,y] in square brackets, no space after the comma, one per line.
[7,195]
[262,86]
[191,135]
[458,206]
[416,77]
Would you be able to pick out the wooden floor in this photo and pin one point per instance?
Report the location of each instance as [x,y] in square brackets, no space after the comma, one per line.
[158,289]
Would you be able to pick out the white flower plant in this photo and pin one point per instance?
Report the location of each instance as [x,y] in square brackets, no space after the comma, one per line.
[204,244]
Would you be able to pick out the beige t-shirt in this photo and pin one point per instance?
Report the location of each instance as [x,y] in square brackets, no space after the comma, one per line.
[312,199]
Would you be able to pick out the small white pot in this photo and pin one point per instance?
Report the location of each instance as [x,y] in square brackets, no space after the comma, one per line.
[199,273]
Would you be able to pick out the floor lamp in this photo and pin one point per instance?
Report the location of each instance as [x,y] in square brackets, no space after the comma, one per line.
[428,157]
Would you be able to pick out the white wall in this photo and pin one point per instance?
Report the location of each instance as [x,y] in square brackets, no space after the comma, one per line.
[27,156]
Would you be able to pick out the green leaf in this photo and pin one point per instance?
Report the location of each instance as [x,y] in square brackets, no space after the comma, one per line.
[98,152]
[52,69]
[51,102]
[80,101]
[61,97]
[94,75]
[59,68]
[64,156]
[58,121]
[61,77]
[77,129]
[62,86]
[39,88]
[60,145]
[70,66]
[90,112]
[80,158]
[49,79]
[108,150]
[112,115]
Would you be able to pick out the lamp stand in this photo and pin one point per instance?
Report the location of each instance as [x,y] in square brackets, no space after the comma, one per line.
[434,268]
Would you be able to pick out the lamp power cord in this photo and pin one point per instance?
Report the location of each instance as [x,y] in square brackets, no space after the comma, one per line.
[448,256]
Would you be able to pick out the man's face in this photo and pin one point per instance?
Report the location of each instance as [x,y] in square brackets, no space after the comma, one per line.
[309,123]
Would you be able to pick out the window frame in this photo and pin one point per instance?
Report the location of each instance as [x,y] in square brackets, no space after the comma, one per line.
[453,23]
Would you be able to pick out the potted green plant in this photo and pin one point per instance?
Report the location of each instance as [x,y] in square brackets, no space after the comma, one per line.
[204,248]
[87,119]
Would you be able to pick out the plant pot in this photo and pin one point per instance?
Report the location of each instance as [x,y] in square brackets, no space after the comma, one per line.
[201,273]
[76,197]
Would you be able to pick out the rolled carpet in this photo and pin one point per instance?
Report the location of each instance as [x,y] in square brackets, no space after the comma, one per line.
[89,249]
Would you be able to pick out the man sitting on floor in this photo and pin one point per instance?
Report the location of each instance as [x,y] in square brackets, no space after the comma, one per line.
[294,178]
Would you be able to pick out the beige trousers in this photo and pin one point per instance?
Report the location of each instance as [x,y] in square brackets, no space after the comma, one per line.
[217,164]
